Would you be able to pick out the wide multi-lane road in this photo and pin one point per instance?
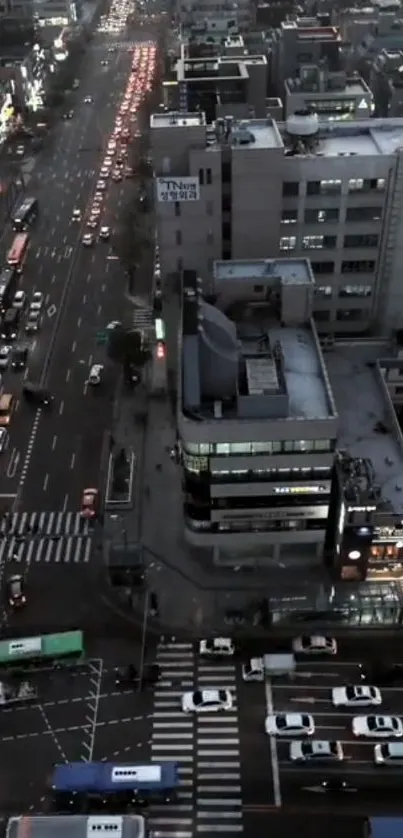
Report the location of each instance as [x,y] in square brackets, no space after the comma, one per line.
[53,456]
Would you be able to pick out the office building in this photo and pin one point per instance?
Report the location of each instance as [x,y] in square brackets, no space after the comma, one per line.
[386,81]
[257,422]
[331,193]
[333,96]
[233,83]
[303,41]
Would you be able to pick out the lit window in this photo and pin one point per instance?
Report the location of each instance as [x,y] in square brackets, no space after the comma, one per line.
[288,243]
[289,217]
[355,291]
[330,186]
[355,184]
[380,184]
[323,291]
[312,242]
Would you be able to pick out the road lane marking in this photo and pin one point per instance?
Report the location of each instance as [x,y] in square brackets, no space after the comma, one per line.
[68,373]
[73,460]
[61,408]
[54,442]
[13,463]
[74,346]
[65,502]
[45,482]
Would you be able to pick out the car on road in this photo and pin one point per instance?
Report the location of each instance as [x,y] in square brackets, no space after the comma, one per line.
[289,724]
[382,673]
[20,151]
[5,355]
[90,503]
[116,175]
[377,727]
[335,785]
[10,324]
[88,239]
[19,299]
[35,394]
[101,186]
[316,751]
[217,647]
[4,439]
[207,701]
[76,215]
[95,374]
[356,696]
[33,321]
[15,591]
[93,222]
[105,233]
[88,100]
[19,357]
[389,754]
[36,301]
[68,115]
[315,644]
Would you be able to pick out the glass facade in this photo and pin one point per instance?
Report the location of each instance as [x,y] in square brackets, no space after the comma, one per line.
[365,605]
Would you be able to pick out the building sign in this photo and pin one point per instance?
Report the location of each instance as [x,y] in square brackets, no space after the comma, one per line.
[310,512]
[173,190]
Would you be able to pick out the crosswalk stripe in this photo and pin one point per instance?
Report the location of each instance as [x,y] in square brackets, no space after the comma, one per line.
[45,537]
[44,523]
[206,746]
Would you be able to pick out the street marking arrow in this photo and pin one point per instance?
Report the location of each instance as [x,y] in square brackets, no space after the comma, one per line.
[51,310]
[306,699]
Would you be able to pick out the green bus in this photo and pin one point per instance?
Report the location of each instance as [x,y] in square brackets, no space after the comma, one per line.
[44,650]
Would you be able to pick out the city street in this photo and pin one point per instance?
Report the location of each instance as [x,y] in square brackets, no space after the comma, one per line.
[81,291]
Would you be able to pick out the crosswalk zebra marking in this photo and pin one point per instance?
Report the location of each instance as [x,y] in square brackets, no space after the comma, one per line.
[45,523]
[206,747]
[46,537]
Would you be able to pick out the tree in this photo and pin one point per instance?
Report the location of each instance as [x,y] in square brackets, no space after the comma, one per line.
[126,347]
[131,241]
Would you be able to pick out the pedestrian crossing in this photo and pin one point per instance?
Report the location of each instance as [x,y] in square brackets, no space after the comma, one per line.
[206,746]
[45,537]
[143,320]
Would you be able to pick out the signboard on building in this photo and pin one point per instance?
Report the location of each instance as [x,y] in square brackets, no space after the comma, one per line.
[172,190]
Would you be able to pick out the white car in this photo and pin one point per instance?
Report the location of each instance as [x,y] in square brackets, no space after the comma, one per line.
[217,647]
[101,186]
[290,724]
[316,751]
[104,233]
[76,215]
[36,302]
[5,354]
[356,696]
[207,701]
[95,375]
[88,239]
[378,727]
[316,644]
[19,300]
[33,321]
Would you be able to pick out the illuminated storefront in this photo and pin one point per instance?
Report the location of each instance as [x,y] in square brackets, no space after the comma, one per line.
[385,560]
[6,116]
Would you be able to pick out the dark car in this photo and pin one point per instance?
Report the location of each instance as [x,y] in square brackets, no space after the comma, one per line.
[128,676]
[382,673]
[19,357]
[36,395]
[15,591]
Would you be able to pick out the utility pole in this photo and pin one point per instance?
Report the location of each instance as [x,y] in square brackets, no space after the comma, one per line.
[143,639]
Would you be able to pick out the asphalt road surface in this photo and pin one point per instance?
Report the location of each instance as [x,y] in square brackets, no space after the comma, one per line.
[232,779]
[53,456]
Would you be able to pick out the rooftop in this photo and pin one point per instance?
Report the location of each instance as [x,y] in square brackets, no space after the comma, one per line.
[241,360]
[75,826]
[291,270]
[366,427]
[354,86]
[180,120]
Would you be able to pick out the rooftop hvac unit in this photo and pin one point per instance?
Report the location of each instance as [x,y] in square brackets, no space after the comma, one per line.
[302,124]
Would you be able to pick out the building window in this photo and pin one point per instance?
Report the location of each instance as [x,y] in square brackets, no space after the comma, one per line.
[356,184]
[345,315]
[318,242]
[313,187]
[201,177]
[258,289]
[330,187]
[322,316]
[288,243]
[209,179]
[354,291]
[209,207]
[290,188]
[363,214]
[323,291]
[321,216]
[177,209]
[365,240]
[358,266]
[178,237]
[289,217]
[320,268]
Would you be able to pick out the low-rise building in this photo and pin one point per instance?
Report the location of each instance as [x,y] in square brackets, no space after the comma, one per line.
[303,41]
[333,96]
[257,422]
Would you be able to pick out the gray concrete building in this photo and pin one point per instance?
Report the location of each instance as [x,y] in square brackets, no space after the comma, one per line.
[333,96]
[256,419]
[303,41]
[234,83]
[330,193]
[386,80]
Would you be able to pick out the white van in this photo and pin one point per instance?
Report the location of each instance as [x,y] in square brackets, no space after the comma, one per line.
[389,753]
